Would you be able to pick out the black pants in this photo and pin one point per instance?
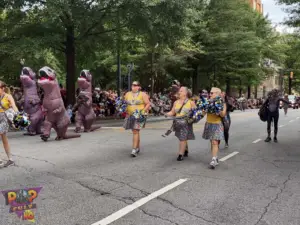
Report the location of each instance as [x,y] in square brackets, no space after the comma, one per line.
[226,128]
[273,116]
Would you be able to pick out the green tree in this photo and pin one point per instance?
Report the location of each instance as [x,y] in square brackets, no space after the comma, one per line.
[233,44]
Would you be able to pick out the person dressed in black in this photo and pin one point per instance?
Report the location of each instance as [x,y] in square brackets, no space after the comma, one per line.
[273,103]
[227,119]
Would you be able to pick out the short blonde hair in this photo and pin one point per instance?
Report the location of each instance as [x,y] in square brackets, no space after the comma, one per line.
[216,90]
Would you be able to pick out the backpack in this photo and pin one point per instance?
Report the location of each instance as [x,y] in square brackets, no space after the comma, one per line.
[263,112]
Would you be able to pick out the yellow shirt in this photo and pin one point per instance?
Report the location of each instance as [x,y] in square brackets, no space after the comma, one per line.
[5,104]
[185,110]
[134,102]
[213,118]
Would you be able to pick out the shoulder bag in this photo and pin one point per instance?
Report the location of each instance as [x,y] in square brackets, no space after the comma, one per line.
[263,112]
[176,122]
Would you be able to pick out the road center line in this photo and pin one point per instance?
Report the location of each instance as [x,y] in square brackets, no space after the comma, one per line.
[229,156]
[122,212]
[292,121]
[281,125]
[258,140]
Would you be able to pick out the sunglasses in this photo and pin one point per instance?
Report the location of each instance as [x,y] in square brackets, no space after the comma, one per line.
[135,85]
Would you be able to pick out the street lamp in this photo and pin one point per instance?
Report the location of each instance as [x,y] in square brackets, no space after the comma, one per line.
[152,69]
[290,82]
[130,67]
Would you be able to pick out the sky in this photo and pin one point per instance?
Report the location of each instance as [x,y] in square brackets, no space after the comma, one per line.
[276,14]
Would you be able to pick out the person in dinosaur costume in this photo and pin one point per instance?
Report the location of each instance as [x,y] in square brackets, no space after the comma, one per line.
[53,106]
[85,114]
[31,103]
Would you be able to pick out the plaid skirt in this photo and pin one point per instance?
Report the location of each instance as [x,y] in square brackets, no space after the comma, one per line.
[213,131]
[4,126]
[183,130]
[132,123]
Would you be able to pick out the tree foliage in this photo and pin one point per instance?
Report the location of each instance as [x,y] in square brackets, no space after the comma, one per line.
[172,39]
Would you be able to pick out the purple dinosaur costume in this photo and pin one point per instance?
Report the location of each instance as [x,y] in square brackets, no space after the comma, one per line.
[32,102]
[85,115]
[53,105]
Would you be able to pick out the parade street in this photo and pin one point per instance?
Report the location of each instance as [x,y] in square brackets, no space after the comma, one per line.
[93,179]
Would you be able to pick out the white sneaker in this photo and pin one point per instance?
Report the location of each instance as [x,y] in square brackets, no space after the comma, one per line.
[214,162]
[1,163]
[135,152]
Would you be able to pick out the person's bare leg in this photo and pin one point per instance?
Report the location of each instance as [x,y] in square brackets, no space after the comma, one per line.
[214,152]
[7,150]
[6,146]
[182,147]
[139,141]
[135,143]
[215,148]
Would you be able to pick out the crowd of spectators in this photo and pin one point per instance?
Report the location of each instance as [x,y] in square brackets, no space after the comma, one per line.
[104,101]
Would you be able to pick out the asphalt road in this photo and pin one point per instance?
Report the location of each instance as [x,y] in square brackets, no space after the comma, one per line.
[89,179]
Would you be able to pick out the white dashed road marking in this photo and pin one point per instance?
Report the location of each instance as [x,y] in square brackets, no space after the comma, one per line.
[117,215]
[258,140]
[229,156]
[292,121]
[281,125]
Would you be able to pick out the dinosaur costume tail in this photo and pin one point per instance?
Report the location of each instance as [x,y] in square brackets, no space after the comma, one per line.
[69,136]
[93,128]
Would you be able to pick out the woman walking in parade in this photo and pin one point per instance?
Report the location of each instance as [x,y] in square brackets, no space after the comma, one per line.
[227,119]
[214,129]
[272,103]
[138,104]
[286,105]
[6,102]
[183,130]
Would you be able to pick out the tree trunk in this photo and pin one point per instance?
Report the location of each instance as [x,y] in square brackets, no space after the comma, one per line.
[195,80]
[214,82]
[152,73]
[228,86]
[249,91]
[255,94]
[70,55]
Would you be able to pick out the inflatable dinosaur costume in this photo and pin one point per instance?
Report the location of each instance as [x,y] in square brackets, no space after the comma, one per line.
[53,105]
[85,114]
[32,102]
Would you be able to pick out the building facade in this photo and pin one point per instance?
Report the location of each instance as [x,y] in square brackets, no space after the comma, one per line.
[272,81]
[256,5]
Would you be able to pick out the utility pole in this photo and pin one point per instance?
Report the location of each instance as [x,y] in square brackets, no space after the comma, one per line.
[118,56]
[290,82]
[130,67]
[152,68]
[281,75]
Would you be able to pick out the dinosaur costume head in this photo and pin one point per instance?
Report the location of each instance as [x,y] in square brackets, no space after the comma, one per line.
[28,77]
[47,79]
[85,81]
